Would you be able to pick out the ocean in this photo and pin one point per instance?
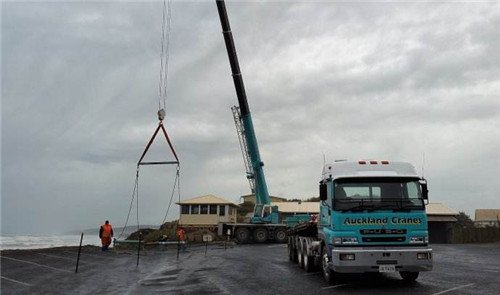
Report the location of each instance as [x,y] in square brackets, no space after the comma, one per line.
[10,242]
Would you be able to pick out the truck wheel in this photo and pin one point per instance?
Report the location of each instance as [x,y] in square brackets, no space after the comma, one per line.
[308,263]
[327,272]
[242,235]
[300,257]
[409,276]
[260,235]
[280,235]
[290,249]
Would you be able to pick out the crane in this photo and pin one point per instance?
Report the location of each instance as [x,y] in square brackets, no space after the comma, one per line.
[255,166]
[266,222]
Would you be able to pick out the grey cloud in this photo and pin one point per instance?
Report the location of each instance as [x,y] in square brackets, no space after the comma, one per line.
[348,80]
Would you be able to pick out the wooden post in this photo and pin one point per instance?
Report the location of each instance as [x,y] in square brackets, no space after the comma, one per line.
[79,251]
[178,246]
[139,248]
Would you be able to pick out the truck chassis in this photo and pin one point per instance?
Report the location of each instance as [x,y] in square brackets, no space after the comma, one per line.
[311,253]
[248,232]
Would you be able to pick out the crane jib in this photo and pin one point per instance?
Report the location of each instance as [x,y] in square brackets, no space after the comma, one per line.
[233,59]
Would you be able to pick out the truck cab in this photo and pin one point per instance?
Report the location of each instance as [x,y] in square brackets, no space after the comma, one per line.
[372,219]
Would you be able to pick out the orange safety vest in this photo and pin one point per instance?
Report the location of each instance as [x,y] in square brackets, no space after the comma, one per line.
[180,233]
[106,231]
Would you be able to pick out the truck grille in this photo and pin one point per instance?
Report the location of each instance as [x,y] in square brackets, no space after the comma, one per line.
[383,239]
[383,231]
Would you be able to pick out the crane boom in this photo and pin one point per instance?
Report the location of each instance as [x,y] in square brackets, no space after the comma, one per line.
[261,192]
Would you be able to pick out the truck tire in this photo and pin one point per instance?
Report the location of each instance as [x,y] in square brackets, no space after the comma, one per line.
[307,261]
[280,235]
[300,257]
[409,276]
[260,235]
[242,235]
[328,273]
[292,250]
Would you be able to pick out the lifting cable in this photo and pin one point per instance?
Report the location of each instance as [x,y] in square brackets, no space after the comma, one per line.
[162,101]
[165,54]
[176,184]
[136,190]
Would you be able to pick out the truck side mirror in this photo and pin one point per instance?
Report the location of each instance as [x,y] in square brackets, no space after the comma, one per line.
[425,190]
[322,192]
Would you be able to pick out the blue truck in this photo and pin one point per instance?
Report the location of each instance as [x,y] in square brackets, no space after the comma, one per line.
[372,219]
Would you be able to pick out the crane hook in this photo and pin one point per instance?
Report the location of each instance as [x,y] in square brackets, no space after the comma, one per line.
[161,114]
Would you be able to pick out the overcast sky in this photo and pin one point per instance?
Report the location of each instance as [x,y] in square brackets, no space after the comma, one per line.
[345,80]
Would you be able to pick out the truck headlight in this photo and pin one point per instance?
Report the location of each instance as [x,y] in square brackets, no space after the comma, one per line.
[424,256]
[345,240]
[348,256]
[419,240]
[349,240]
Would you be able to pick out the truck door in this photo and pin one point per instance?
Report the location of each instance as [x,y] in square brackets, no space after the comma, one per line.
[324,215]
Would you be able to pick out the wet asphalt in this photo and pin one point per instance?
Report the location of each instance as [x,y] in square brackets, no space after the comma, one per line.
[244,269]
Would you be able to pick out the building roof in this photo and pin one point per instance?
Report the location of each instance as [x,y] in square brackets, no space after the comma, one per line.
[296,207]
[487,215]
[441,218]
[439,209]
[207,199]
[252,198]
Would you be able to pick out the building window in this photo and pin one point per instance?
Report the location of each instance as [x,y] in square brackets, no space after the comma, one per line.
[195,209]
[222,210]
[213,209]
[203,209]
[230,210]
[184,209]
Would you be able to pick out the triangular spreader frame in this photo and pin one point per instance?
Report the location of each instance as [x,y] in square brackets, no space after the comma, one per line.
[160,126]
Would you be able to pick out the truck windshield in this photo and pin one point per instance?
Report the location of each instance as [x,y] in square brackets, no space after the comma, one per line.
[359,194]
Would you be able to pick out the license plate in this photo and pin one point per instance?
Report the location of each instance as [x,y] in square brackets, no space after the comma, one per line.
[387,268]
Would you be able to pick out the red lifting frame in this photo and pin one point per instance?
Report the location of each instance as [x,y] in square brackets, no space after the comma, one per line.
[160,126]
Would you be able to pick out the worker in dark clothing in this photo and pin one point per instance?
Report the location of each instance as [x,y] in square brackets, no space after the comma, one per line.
[105,234]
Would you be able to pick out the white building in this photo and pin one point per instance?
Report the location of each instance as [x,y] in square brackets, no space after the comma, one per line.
[207,210]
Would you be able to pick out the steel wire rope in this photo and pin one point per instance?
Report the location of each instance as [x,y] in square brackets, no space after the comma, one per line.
[179,193]
[165,53]
[160,83]
[137,202]
[131,202]
[176,180]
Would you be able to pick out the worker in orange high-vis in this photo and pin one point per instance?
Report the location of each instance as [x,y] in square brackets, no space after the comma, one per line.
[181,232]
[105,234]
